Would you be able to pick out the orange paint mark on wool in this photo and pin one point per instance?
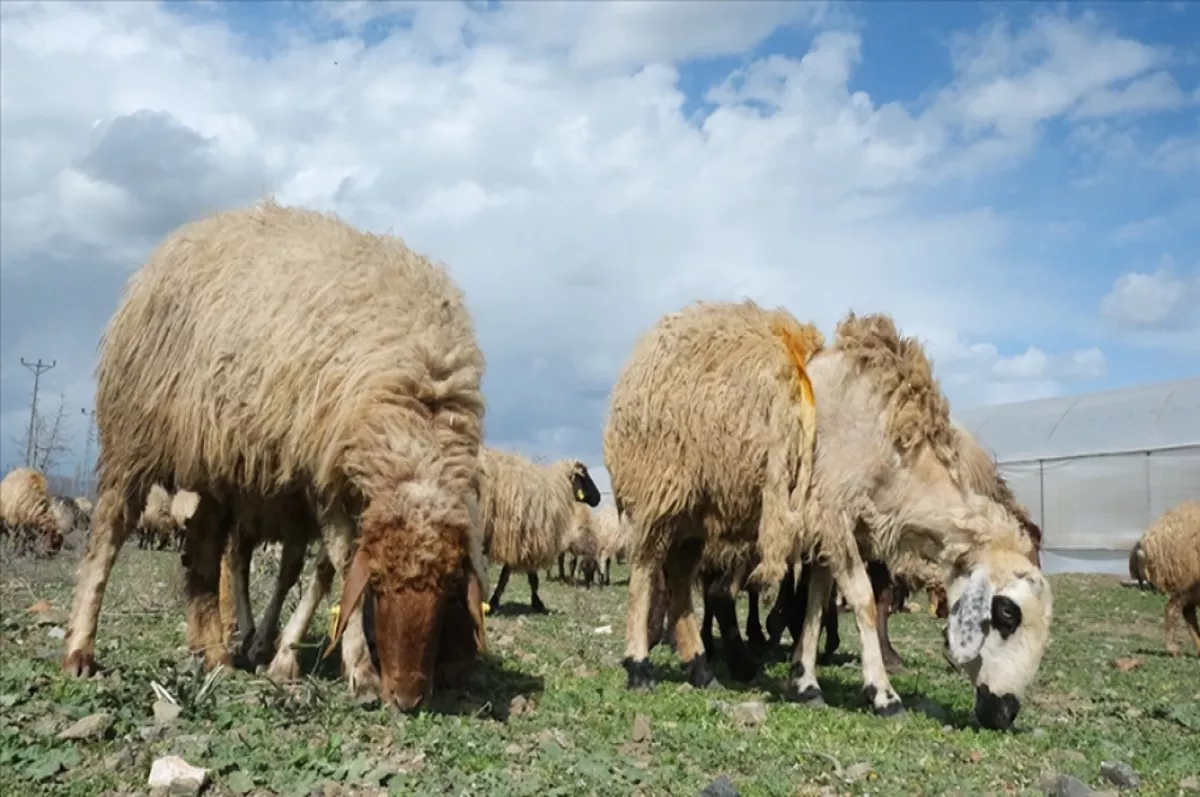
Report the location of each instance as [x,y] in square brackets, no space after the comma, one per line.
[800,342]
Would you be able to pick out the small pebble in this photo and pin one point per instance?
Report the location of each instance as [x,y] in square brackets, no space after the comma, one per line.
[641,728]
[721,787]
[1120,774]
[93,727]
[1067,786]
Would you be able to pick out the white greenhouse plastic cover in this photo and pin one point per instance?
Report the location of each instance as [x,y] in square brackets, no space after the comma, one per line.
[1095,470]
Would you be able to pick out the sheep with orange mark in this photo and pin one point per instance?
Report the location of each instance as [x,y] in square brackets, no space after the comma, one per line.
[526,510]
[270,349]
[711,433]
[1169,556]
[26,515]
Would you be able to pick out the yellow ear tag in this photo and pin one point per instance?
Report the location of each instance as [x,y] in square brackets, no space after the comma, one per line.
[333,618]
[579,494]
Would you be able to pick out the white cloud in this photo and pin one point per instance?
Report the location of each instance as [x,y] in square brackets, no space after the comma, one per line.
[542,151]
[1158,300]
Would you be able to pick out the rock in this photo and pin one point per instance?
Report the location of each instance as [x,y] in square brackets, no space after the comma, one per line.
[93,727]
[177,776]
[519,705]
[604,629]
[1067,786]
[57,632]
[856,772]
[514,749]
[750,713]
[152,733]
[1119,774]
[721,787]
[1127,664]
[641,728]
[118,761]
[165,712]
[1190,783]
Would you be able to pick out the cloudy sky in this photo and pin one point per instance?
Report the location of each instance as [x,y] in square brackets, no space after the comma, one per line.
[1015,183]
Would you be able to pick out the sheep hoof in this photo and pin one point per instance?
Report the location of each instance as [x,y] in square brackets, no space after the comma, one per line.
[259,652]
[742,667]
[284,667]
[539,608]
[700,675]
[80,664]
[639,674]
[809,696]
[892,708]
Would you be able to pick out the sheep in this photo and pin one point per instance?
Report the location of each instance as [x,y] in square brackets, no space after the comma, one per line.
[526,511]
[69,516]
[1136,572]
[26,513]
[711,433]
[269,349]
[1169,556]
[582,544]
[164,518]
[612,538]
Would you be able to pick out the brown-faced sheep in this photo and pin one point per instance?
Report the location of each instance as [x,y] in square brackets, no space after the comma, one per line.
[526,511]
[1169,555]
[709,430]
[26,513]
[268,349]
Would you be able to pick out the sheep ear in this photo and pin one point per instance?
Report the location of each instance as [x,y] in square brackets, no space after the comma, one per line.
[475,606]
[353,585]
[965,632]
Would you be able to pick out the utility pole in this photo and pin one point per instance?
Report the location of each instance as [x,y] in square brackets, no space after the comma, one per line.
[38,368]
[87,450]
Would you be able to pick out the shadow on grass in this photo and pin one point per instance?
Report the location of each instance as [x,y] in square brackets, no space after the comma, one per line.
[520,610]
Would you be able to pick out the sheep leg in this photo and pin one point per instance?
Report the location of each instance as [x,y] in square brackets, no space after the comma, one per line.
[802,686]
[778,617]
[637,621]
[285,667]
[562,572]
[501,584]
[829,620]
[855,584]
[1189,617]
[204,547]
[1173,610]
[882,585]
[291,563]
[607,571]
[754,629]
[738,659]
[338,531]
[706,625]
[114,520]
[658,611]
[679,570]
[535,602]
[239,552]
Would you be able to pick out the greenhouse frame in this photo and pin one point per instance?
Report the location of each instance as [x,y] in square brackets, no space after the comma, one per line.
[1095,470]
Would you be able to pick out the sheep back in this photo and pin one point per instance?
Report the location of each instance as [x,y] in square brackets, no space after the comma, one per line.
[714,409]
[25,501]
[612,531]
[268,346]
[1170,550]
[525,508]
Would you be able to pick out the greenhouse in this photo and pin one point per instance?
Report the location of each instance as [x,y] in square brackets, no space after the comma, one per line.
[1096,469]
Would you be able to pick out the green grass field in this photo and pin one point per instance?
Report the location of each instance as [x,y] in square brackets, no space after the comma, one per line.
[548,713]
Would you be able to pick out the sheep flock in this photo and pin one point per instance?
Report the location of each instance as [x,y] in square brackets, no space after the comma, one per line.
[278,383]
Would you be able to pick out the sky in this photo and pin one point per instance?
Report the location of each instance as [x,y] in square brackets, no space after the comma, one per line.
[1014,183]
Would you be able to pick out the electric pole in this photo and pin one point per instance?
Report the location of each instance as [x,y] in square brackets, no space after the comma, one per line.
[38,368]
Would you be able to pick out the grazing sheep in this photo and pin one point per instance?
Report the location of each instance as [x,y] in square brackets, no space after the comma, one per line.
[69,516]
[709,433]
[1169,555]
[164,518]
[526,511]
[26,514]
[581,543]
[612,538]
[1136,571]
[271,349]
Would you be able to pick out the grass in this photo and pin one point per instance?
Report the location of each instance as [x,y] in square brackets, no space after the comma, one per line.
[574,733]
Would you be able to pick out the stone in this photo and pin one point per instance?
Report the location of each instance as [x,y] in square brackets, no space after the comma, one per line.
[721,787]
[92,727]
[856,772]
[177,776]
[1119,774]
[166,712]
[641,728]
[1067,786]
[1191,783]
[751,713]
[120,760]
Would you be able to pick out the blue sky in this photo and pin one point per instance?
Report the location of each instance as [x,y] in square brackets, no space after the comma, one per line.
[1013,182]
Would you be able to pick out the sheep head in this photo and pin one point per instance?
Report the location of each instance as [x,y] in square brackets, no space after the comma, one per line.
[428,613]
[584,489]
[998,627]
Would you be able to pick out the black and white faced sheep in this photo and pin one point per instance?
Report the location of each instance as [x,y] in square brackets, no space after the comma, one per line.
[712,428]
[526,511]
[267,349]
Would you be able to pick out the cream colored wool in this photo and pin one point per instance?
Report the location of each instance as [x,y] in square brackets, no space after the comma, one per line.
[526,509]
[1169,556]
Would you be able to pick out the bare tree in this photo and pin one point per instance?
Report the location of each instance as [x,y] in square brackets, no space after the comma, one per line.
[51,439]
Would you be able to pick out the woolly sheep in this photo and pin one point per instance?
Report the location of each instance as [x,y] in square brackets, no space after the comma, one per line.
[612,538]
[582,545]
[526,511]
[26,513]
[710,434]
[1136,572]
[270,348]
[1169,555]
[164,518]
[69,516]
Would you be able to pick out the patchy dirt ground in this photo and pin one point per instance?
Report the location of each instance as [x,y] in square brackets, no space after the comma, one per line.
[548,713]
